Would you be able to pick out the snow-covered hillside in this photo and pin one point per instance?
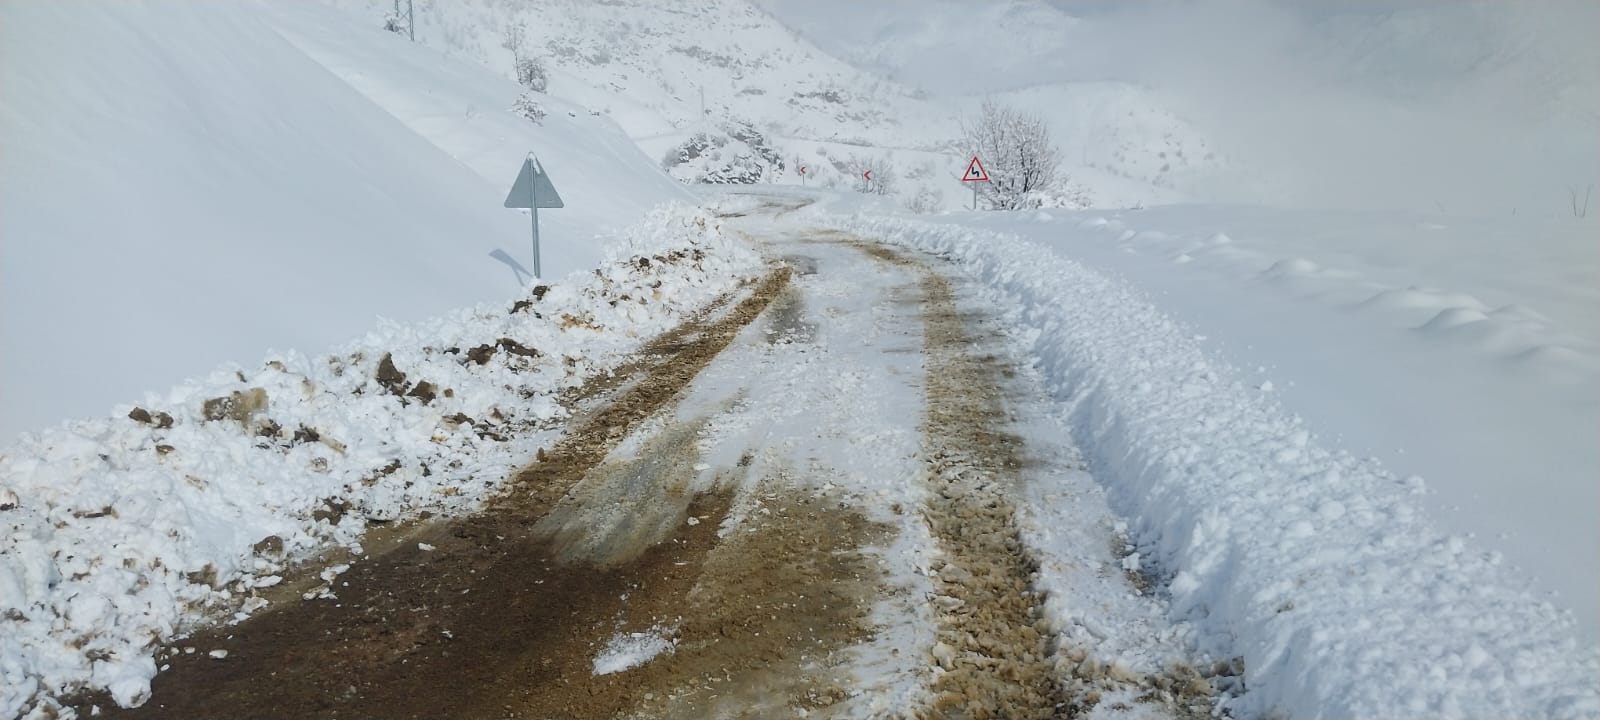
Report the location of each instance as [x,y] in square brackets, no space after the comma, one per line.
[1466,108]
[657,67]
[275,175]
[825,90]
[668,73]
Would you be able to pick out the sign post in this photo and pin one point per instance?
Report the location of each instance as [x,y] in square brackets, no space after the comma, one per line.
[532,191]
[802,176]
[975,174]
[868,176]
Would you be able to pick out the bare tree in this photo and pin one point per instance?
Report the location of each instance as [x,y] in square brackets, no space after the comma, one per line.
[513,37]
[1015,148]
[530,70]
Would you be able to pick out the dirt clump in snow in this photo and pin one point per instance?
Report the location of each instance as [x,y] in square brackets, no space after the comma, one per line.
[238,406]
[390,376]
[160,420]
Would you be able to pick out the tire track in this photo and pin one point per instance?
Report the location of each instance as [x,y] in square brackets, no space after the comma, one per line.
[992,652]
[993,641]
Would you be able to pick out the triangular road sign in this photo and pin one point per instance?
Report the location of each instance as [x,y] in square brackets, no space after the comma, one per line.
[533,187]
[975,172]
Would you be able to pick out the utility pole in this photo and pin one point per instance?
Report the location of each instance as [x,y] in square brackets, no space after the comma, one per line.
[410,16]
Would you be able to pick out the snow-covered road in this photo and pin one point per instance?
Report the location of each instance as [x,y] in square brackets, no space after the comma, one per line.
[773,461]
[807,500]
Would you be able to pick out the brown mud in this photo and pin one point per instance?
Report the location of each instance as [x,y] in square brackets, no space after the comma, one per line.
[992,646]
[500,614]
[503,613]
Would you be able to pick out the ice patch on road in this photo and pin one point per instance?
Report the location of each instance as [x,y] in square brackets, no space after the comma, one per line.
[625,651]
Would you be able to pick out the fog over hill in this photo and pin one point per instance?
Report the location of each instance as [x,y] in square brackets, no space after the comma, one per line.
[1487,108]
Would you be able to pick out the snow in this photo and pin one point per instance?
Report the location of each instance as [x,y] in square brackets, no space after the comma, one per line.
[1461,351]
[828,409]
[1322,570]
[274,175]
[1473,107]
[127,533]
[1353,447]
[625,651]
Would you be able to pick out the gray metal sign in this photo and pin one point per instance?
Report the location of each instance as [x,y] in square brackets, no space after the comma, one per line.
[532,191]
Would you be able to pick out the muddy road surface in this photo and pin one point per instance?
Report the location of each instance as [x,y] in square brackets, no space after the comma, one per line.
[801,504]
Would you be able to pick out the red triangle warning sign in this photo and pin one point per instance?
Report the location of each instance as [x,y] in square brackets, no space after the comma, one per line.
[975,172]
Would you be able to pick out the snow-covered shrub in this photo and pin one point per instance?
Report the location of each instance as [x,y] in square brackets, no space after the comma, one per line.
[925,200]
[1064,194]
[528,107]
[532,74]
[855,167]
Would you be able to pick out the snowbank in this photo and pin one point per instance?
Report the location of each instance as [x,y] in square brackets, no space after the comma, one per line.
[123,532]
[1459,350]
[1317,568]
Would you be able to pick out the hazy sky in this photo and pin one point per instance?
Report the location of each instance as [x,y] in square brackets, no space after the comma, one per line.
[1483,106]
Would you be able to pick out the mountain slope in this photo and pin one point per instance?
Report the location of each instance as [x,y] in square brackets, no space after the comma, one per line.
[172,166]
[654,66]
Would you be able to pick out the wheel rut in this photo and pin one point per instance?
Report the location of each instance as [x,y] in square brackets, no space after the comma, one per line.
[993,641]
[992,649]
[505,613]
